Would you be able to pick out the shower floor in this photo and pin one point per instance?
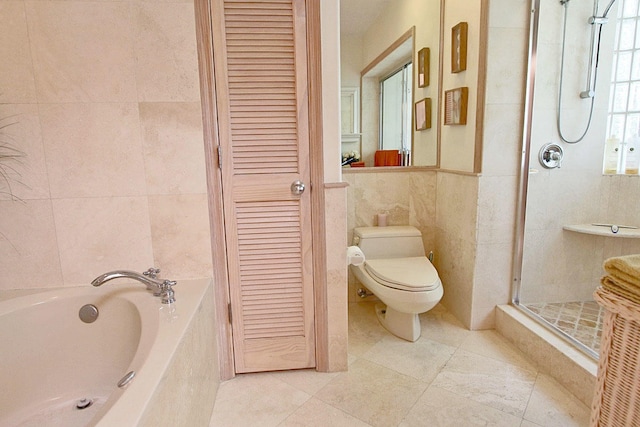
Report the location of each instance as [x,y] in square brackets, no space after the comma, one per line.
[581,320]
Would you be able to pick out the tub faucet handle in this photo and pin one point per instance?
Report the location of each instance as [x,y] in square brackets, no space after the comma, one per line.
[152,272]
[167,293]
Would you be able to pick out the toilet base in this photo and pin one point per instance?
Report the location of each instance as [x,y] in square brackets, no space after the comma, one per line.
[402,325]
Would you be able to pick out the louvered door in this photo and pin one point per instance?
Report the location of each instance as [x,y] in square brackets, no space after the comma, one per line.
[261,84]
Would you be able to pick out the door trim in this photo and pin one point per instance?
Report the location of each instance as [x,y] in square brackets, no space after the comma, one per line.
[316,164]
[204,36]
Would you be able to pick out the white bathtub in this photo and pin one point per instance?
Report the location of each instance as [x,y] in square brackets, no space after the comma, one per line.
[50,359]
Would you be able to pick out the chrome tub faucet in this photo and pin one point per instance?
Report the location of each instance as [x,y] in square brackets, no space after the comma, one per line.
[160,288]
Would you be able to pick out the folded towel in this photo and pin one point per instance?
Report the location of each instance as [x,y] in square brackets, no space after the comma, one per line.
[623,276]
[625,269]
[621,289]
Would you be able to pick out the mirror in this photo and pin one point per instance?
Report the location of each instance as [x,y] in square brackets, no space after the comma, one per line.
[380,41]
[387,83]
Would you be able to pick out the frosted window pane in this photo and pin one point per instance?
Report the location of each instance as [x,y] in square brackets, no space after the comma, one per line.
[620,97]
[617,125]
[624,95]
[633,122]
[611,94]
[627,34]
[624,66]
[634,97]
[635,69]
[630,8]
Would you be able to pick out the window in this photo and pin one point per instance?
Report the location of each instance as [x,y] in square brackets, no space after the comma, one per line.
[623,121]
[395,110]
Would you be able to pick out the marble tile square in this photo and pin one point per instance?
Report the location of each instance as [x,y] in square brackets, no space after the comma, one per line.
[173,148]
[17,81]
[491,344]
[376,193]
[28,245]
[373,393]
[316,413]
[82,51]
[552,405]
[422,359]
[488,381]
[364,328]
[93,149]
[96,235]
[20,129]
[438,407]
[440,325]
[307,380]
[165,47]
[496,210]
[255,399]
[180,235]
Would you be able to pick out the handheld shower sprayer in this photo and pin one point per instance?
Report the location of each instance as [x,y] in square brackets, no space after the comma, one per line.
[596,23]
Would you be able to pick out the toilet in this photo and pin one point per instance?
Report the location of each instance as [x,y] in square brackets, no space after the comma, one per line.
[398,272]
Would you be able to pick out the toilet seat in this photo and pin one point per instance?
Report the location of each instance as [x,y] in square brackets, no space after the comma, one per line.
[415,274]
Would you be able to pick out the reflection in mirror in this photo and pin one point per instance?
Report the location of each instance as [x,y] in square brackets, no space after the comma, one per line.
[386,124]
[350,114]
[395,111]
[375,45]
[350,125]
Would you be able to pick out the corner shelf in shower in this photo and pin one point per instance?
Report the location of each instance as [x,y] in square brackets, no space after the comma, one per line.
[604,230]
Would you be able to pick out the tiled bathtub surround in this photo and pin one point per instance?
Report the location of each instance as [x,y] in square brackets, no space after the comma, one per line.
[581,320]
[449,377]
[106,104]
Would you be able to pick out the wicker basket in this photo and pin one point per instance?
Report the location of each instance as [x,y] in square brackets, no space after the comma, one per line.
[617,397]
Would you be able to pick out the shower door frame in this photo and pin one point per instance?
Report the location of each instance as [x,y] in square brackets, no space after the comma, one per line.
[523,184]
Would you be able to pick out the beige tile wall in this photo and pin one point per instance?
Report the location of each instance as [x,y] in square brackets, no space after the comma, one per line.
[104,97]
[335,232]
[502,136]
[456,241]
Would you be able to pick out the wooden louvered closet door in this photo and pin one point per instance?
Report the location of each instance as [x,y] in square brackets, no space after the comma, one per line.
[261,86]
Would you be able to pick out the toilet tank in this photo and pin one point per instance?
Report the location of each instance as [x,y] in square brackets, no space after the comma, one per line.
[389,242]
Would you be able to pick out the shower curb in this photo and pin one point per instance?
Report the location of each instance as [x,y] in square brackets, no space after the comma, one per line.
[553,356]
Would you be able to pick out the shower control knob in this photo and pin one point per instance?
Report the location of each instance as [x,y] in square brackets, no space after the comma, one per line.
[551,155]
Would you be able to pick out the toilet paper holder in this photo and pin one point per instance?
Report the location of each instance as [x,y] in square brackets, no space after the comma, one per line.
[355,256]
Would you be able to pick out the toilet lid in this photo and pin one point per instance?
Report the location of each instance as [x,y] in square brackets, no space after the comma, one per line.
[408,274]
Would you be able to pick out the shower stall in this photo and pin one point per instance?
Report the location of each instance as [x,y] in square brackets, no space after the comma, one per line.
[583,87]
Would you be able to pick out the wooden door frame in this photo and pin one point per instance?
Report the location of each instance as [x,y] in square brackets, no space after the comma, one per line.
[214,185]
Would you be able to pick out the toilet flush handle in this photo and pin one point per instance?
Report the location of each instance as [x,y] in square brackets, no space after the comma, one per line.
[297,188]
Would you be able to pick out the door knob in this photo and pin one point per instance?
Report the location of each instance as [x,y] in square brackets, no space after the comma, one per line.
[297,187]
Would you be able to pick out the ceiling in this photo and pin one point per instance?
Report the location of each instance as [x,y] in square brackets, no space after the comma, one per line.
[357,15]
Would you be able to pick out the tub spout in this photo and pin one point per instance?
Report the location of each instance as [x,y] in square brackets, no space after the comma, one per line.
[160,288]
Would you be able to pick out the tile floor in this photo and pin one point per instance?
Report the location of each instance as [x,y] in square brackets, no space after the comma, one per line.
[449,377]
[581,320]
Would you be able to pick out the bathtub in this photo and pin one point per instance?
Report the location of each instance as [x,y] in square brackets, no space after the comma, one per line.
[52,364]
